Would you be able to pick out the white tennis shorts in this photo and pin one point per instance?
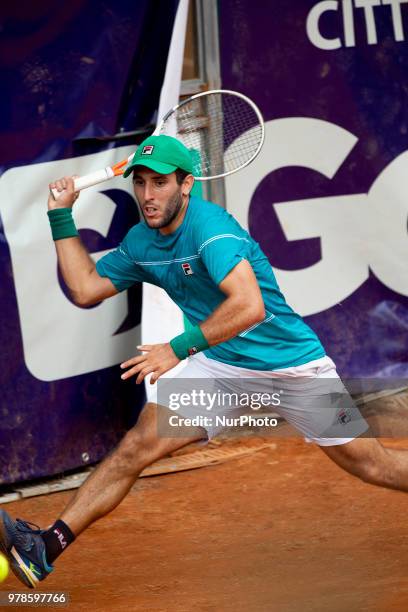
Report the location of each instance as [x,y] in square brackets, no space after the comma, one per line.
[218,396]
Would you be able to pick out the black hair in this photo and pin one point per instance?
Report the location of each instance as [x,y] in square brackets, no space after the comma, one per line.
[181,175]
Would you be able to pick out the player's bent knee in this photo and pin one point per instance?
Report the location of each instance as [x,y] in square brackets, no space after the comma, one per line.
[362,458]
[135,449]
[368,471]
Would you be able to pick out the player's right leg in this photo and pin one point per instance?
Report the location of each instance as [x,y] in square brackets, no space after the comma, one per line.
[28,549]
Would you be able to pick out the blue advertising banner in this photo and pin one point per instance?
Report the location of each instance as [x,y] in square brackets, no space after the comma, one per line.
[71,72]
[326,198]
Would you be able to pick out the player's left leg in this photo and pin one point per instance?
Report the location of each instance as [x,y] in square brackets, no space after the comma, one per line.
[315,401]
[370,461]
[31,552]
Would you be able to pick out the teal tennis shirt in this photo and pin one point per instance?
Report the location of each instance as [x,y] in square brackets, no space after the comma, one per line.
[191,262]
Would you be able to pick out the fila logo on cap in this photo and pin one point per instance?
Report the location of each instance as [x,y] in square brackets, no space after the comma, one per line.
[147,149]
[187,269]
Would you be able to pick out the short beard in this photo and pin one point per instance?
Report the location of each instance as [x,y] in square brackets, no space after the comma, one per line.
[174,205]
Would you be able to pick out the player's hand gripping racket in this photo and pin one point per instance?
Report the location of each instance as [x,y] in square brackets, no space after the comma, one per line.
[223,129]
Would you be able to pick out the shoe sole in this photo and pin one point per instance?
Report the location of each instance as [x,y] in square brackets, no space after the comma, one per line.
[18,569]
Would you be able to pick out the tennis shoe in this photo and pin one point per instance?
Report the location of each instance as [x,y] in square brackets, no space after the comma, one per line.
[25,549]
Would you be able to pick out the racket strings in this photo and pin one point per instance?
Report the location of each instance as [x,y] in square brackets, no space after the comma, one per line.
[222,130]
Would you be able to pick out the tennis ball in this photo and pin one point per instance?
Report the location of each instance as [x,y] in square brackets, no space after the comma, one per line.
[4,568]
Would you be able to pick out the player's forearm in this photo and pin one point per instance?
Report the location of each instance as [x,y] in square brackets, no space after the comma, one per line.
[76,266]
[231,318]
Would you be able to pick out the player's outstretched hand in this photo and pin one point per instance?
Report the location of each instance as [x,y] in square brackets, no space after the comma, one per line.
[156,360]
[68,195]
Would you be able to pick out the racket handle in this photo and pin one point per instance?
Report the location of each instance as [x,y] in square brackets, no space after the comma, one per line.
[88,180]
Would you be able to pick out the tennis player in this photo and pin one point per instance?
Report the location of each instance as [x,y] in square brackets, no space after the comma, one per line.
[242,329]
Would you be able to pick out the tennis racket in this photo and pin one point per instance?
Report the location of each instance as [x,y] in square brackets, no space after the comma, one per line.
[224,131]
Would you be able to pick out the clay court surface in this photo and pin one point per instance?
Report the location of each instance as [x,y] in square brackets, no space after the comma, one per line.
[280,530]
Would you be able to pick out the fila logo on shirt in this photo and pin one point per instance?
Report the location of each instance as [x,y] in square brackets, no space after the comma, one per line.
[147,149]
[187,269]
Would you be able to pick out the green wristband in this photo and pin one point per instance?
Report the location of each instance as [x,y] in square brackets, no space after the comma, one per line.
[191,342]
[62,223]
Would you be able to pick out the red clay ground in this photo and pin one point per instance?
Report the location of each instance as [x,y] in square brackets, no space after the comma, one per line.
[282,530]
